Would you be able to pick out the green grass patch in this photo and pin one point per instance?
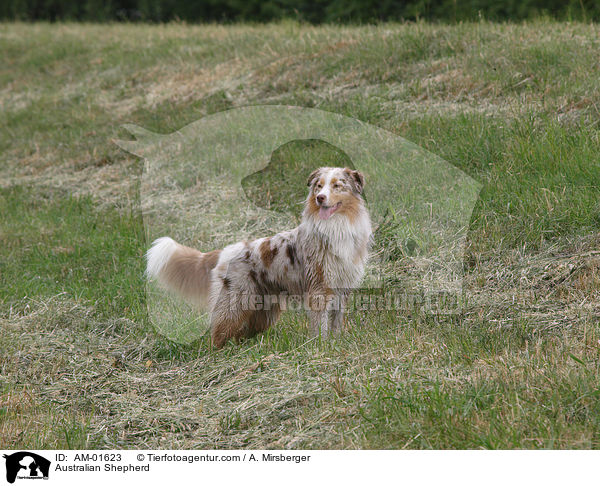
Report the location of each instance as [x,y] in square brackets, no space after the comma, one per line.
[55,243]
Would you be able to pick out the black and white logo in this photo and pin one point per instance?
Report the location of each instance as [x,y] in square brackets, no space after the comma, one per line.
[26,465]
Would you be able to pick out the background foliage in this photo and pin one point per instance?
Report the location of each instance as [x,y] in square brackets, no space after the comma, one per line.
[319,11]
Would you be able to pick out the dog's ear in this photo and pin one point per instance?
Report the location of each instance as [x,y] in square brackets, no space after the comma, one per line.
[357,179]
[313,175]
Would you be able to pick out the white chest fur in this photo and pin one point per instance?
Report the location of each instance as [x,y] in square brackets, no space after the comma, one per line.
[340,247]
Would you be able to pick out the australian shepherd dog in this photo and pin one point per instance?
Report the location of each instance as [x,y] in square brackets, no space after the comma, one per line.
[244,286]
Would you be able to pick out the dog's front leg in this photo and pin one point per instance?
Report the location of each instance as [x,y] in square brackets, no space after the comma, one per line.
[318,314]
[338,311]
[319,323]
[337,320]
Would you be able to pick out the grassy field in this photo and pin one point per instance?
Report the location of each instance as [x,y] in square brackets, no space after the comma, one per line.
[516,107]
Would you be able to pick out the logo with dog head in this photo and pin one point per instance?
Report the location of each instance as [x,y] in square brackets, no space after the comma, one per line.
[26,465]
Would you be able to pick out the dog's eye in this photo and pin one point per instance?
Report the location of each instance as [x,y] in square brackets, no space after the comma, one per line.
[337,186]
[319,186]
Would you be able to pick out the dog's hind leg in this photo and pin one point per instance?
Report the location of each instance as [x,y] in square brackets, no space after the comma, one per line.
[224,329]
[228,321]
[261,320]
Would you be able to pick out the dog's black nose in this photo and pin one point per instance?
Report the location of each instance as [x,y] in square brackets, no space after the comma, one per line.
[320,198]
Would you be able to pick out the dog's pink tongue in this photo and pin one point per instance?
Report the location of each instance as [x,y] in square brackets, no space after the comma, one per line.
[325,213]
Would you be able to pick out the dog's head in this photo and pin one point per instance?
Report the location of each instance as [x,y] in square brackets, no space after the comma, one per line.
[335,192]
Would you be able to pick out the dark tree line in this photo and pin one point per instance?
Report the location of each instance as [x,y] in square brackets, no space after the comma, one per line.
[315,11]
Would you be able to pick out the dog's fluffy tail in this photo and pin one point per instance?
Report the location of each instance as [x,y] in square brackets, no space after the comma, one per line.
[181,269]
